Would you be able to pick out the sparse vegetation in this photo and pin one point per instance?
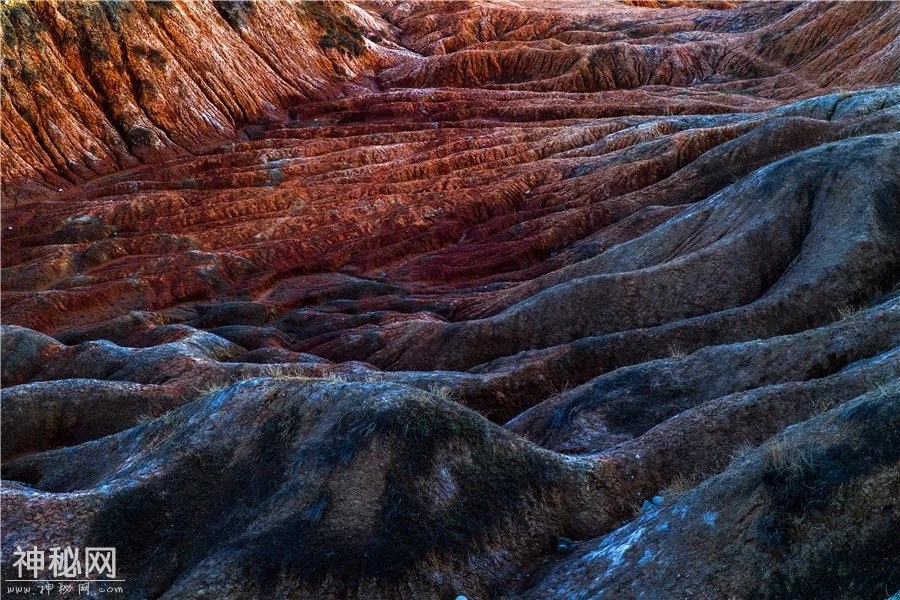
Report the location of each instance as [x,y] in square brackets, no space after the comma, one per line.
[825,403]
[19,24]
[145,90]
[97,51]
[676,351]
[29,75]
[139,137]
[801,478]
[442,393]
[430,226]
[783,460]
[299,372]
[235,12]
[740,453]
[494,480]
[598,58]
[341,32]
[557,387]
[212,386]
[156,58]
[144,418]
[154,410]
[115,11]
[334,377]
[69,35]
[680,485]
[157,8]
[850,311]
[286,371]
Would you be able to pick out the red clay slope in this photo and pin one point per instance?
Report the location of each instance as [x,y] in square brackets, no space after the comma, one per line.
[93,88]
[497,172]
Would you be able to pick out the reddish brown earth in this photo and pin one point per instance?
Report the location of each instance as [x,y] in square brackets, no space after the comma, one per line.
[394,299]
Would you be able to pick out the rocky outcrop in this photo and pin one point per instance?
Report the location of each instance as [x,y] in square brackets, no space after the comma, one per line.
[92,88]
[774,524]
[338,486]
[430,299]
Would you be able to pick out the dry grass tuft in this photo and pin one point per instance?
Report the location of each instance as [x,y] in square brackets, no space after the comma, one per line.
[850,311]
[825,403]
[211,387]
[676,351]
[286,371]
[785,460]
[680,485]
[442,392]
[334,377]
[740,453]
[154,410]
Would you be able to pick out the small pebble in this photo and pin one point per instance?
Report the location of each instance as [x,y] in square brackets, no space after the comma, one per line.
[564,545]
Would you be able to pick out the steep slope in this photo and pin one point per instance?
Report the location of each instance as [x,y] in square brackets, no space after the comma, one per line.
[91,88]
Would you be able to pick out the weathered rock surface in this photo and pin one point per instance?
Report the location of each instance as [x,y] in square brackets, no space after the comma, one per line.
[412,299]
[812,513]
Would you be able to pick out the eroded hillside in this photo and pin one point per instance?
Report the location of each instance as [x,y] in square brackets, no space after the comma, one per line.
[428,299]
